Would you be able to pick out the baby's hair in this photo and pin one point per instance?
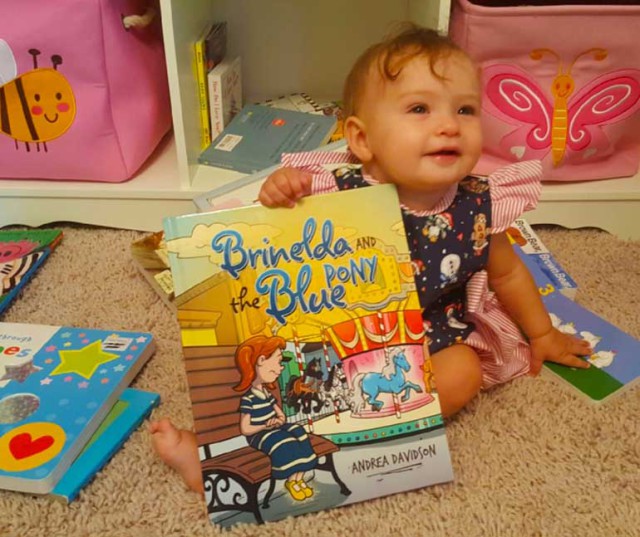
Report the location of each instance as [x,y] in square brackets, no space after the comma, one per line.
[390,55]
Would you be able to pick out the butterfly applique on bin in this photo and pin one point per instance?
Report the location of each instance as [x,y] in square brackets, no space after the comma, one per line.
[555,116]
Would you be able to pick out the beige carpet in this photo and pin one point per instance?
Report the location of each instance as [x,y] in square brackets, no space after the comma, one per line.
[531,458]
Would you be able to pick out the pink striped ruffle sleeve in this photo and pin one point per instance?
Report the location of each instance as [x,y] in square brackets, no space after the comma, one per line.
[314,162]
[514,189]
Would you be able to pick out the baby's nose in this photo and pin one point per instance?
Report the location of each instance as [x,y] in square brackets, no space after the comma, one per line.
[449,124]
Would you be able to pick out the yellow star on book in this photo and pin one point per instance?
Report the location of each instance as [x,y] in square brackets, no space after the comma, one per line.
[84,361]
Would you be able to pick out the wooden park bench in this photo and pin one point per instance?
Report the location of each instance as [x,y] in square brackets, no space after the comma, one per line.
[212,374]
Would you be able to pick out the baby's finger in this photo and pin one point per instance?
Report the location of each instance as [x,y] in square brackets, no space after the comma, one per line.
[272,195]
[580,347]
[571,360]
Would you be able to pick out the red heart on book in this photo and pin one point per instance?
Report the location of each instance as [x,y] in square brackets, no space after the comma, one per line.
[22,445]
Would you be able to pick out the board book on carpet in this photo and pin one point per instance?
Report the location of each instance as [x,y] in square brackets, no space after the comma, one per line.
[57,384]
[615,360]
[125,416]
[22,253]
[303,341]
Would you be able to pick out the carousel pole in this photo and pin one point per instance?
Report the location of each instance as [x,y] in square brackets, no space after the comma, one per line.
[383,334]
[327,361]
[300,361]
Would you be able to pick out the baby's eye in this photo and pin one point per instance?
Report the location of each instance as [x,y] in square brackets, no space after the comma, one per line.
[419,109]
[467,110]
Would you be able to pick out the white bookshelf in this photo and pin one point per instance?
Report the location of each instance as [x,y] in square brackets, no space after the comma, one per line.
[286,46]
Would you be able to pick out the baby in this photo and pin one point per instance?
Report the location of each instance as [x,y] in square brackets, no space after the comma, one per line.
[412,106]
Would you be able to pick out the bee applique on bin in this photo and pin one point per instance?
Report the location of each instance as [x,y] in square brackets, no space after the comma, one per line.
[36,106]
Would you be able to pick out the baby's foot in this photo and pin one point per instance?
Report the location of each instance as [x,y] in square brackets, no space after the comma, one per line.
[179,450]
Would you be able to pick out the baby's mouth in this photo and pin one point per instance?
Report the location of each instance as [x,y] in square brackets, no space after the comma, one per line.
[445,153]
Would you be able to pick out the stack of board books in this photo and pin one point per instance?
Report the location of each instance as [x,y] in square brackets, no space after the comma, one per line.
[65,405]
[218,79]
[22,253]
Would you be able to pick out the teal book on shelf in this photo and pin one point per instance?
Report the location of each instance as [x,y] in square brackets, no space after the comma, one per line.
[124,418]
[258,135]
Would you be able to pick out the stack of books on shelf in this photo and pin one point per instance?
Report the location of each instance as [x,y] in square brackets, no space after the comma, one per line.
[65,405]
[22,253]
[219,79]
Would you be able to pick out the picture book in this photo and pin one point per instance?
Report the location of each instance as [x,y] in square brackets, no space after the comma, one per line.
[303,338]
[215,44]
[123,418]
[524,235]
[224,83]
[305,103]
[22,253]
[258,135]
[615,361]
[57,384]
[200,71]
[150,256]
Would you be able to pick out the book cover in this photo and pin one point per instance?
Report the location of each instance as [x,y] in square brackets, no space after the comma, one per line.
[149,254]
[224,82]
[303,340]
[258,135]
[22,253]
[125,416]
[57,384]
[524,235]
[615,361]
[305,103]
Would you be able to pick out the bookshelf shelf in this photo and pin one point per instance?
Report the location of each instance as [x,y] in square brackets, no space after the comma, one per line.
[285,45]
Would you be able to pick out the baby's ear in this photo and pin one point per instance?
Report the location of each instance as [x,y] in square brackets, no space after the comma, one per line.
[356,136]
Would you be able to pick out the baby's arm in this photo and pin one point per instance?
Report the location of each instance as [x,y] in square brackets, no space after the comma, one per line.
[284,187]
[515,288]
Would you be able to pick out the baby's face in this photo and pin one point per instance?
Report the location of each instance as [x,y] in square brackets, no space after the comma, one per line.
[423,131]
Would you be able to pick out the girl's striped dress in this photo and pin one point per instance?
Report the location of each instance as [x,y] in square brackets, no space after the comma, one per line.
[288,446]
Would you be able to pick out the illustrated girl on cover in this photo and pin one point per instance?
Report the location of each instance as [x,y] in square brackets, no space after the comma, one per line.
[262,420]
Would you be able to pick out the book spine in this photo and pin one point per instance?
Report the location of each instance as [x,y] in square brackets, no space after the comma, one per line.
[201,77]
[215,102]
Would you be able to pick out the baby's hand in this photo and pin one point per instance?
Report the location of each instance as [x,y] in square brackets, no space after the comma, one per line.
[284,187]
[554,346]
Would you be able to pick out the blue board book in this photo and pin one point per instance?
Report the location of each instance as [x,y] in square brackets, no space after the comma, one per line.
[615,361]
[124,418]
[258,135]
[57,385]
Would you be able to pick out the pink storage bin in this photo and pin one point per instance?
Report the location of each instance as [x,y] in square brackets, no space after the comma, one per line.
[561,83]
[96,105]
